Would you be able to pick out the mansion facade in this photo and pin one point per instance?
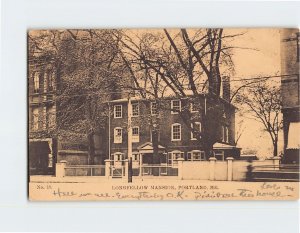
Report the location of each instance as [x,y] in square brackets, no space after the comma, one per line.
[177,135]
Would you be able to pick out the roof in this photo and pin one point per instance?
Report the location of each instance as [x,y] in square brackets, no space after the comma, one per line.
[223,146]
[149,146]
[139,98]
[248,155]
[123,100]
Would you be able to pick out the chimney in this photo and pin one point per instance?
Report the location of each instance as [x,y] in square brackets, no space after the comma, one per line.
[226,88]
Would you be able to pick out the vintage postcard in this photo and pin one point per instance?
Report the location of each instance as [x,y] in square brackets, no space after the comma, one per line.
[163,114]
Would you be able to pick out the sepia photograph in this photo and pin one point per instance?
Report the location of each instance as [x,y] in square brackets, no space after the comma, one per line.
[163,114]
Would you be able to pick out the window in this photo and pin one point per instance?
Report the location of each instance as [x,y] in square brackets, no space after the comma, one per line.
[36,81]
[35,119]
[196,155]
[118,111]
[223,134]
[194,107]
[118,156]
[154,110]
[118,135]
[173,156]
[51,117]
[219,155]
[151,135]
[226,134]
[176,132]
[197,128]
[135,157]
[135,134]
[50,160]
[135,109]
[50,81]
[175,106]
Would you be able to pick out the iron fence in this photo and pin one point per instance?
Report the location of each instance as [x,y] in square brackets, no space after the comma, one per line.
[281,172]
[155,170]
[85,170]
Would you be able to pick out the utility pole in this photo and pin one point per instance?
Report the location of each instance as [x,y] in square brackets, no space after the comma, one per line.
[129,139]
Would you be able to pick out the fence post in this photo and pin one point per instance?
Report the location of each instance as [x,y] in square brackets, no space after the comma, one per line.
[126,169]
[212,162]
[107,168]
[276,162]
[229,168]
[180,168]
[60,168]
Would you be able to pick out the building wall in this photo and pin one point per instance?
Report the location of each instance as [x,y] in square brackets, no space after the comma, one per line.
[290,86]
[290,66]
[41,120]
[43,100]
[165,121]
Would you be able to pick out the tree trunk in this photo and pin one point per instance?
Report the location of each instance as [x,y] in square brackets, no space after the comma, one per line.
[275,148]
[155,147]
[208,149]
[91,148]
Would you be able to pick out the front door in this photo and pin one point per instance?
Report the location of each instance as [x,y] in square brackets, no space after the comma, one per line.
[148,158]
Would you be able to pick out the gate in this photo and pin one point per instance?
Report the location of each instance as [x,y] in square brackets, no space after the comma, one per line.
[117,169]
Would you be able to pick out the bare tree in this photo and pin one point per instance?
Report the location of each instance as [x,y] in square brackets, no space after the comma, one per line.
[239,131]
[183,63]
[262,101]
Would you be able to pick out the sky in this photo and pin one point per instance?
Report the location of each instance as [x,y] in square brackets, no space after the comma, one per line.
[264,61]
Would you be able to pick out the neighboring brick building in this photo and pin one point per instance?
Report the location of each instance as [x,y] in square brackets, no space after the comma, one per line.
[42,118]
[175,137]
[290,93]
[46,144]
